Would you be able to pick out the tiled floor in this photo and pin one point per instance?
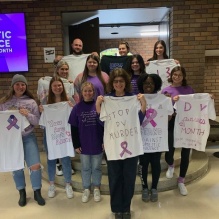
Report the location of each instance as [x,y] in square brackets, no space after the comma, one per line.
[202,201]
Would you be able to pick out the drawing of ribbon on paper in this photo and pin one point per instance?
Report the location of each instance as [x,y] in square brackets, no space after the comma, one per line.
[124,146]
[12,120]
[150,114]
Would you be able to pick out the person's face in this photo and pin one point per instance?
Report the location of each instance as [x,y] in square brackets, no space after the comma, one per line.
[87,93]
[63,71]
[177,78]
[148,86]
[19,88]
[57,88]
[119,84]
[135,65]
[159,49]
[123,51]
[92,65]
[77,47]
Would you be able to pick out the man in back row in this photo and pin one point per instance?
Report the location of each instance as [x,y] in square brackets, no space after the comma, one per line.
[76,60]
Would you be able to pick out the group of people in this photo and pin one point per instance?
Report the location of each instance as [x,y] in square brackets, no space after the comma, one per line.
[96,101]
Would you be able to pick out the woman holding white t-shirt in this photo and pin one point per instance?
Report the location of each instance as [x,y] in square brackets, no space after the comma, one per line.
[178,86]
[61,70]
[121,173]
[20,98]
[57,94]
[160,108]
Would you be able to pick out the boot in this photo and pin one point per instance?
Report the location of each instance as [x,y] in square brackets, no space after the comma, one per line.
[38,197]
[22,201]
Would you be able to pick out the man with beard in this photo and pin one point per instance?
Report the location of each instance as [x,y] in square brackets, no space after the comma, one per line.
[76,60]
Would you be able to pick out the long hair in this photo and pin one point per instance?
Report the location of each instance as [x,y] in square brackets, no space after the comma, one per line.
[51,95]
[11,93]
[164,52]
[178,68]
[98,71]
[155,78]
[58,66]
[140,61]
[119,72]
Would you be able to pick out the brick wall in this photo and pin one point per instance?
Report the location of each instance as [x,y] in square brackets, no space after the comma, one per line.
[211,78]
[194,29]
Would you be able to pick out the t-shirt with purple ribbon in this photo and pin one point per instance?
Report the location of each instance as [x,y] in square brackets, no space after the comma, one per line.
[154,129]
[11,146]
[122,133]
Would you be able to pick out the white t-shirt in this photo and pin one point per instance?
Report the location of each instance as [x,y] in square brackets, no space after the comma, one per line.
[122,133]
[11,145]
[43,88]
[76,64]
[154,129]
[58,132]
[162,68]
[192,120]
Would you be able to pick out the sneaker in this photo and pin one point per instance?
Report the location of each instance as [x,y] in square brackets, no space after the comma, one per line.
[182,189]
[118,216]
[69,191]
[59,170]
[72,172]
[154,195]
[126,215]
[97,195]
[169,173]
[51,191]
[145,195]
[85,196]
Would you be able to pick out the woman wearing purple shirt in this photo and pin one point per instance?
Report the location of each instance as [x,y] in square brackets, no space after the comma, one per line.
[178,86]
[87,137]
[136,67]
[92,73]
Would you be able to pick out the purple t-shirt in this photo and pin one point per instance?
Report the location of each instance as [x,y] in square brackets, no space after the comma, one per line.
[85,118]
[134,84]
[174,91]
[99,89]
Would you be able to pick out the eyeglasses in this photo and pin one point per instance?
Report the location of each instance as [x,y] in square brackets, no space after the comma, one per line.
[176,75]
[118,81]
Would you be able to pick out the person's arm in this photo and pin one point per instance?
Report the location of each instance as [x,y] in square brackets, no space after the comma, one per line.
[99,101]
[143,102]
[56,60]
[77,88]
[32,116]
[76,139]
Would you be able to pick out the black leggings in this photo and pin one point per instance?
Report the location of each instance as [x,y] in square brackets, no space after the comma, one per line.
[169,155]
[154,160]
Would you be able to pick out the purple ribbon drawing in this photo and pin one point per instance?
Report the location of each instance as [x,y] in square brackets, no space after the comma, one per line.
[12,120]
[124,146]
[150,114]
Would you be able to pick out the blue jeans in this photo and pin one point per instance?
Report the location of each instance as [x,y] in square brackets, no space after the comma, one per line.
[91,170]
[51,165]
[31,156]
